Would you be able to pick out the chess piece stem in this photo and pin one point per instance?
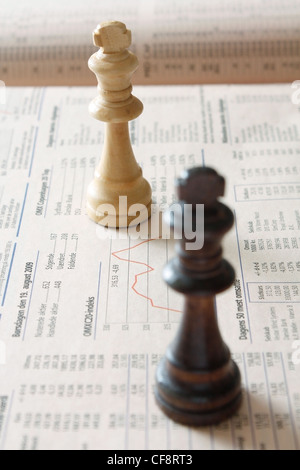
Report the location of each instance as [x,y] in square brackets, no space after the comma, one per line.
[118,162]
[197,382]
[118,173]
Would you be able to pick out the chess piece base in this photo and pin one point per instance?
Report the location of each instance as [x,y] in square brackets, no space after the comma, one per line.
[118,176]
[197,382]
[198,400]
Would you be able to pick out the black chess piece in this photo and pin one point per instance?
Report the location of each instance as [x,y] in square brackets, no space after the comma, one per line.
[197,382]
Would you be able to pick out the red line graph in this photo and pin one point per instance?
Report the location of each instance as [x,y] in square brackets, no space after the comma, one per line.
[134,286]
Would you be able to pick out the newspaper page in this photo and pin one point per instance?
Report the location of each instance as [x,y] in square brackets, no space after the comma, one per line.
[224,41]
[85,318]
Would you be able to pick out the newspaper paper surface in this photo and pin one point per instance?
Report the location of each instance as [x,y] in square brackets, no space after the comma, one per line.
[85,320]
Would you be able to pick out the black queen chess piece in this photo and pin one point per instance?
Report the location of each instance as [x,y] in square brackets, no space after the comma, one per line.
[197,382]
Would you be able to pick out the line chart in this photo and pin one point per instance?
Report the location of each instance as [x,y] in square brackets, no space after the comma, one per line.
[136,292]
[149,269]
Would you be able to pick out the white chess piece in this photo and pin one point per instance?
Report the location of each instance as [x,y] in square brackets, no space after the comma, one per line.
[118,173]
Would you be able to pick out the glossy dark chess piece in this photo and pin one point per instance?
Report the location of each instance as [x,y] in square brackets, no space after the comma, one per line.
[197,382]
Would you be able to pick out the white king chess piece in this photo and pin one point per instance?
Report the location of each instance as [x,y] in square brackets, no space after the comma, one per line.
[118,174]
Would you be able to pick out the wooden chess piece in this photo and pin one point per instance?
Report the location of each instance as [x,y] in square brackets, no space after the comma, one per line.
[118,173]
[197,382]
